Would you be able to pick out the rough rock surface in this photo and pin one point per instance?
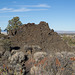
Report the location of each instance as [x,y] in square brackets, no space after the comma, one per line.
[41,35]
[39,55]
[7,54]
[60,63]
[1,53]
[17,57]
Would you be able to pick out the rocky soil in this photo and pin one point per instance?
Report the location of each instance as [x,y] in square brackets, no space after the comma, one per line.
[39,63]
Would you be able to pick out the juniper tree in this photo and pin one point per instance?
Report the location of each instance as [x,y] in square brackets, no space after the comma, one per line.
[13,24]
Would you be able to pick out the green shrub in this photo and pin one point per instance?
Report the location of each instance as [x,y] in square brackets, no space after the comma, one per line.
[6,44]
[69,40]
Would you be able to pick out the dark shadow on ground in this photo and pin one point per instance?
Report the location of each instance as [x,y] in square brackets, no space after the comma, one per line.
[15,48]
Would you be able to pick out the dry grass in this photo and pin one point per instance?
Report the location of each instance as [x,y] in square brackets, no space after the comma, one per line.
[70,39]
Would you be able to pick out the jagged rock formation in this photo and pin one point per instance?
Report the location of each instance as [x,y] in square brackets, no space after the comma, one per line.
[41,35]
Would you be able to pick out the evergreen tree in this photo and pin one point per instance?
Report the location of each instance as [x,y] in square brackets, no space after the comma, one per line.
[13,23]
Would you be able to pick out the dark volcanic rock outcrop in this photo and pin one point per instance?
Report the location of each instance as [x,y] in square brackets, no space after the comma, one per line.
[31,52]
[41,35]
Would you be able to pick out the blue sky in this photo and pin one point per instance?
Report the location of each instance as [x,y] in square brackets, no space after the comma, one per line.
[60,14]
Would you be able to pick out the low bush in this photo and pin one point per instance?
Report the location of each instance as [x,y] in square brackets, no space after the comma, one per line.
[69,40]
[6,44]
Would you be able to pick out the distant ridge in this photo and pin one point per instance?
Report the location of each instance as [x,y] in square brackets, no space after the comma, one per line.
[65,32]
[4,32]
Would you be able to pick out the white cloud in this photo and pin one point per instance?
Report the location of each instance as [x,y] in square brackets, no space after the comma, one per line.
[25,8]
[39,5]
[14,10]
[19,10]
[5,9]
[43,5]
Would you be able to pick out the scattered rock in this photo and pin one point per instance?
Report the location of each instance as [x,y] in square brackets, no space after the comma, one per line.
[18,69]
[58,54]
[32,48]
[13,52]
[39,55]
[34,70]
[1,53]
[17,57]
[7,54]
